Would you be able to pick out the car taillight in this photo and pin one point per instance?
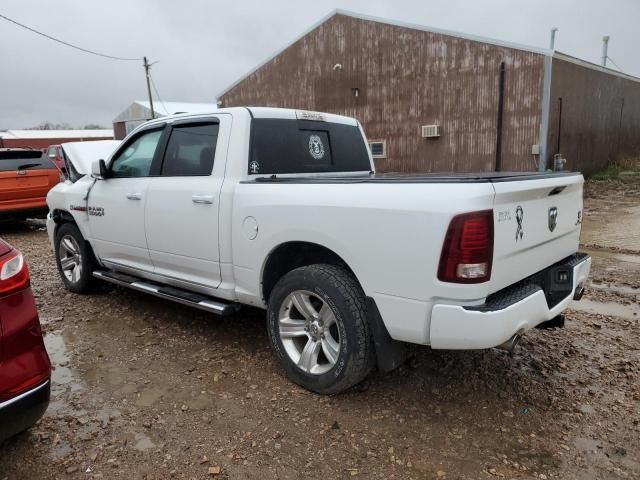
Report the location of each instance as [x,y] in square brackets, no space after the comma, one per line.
[14,275]
[467,252]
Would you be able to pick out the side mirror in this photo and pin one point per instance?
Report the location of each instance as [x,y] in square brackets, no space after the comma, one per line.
[99,169]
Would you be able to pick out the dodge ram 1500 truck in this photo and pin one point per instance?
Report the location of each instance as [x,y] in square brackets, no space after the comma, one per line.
[282,210]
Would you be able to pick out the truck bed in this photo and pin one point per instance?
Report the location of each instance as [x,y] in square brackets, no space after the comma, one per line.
[482,177]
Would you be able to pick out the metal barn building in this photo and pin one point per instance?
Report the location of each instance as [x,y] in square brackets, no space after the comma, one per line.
[140,111]
[433,100]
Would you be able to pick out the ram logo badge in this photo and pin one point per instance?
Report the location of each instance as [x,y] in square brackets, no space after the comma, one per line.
[553,218]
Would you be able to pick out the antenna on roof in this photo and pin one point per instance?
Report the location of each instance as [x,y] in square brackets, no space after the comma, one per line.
[552,41]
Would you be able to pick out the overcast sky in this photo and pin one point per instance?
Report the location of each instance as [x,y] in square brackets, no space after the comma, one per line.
[204,45]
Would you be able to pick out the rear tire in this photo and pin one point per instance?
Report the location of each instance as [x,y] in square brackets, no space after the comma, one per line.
[318,327]
[74,259]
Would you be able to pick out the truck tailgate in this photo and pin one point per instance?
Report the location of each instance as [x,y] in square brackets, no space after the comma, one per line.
[536,223]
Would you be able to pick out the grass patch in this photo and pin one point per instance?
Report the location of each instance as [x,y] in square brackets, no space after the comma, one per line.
[623,167]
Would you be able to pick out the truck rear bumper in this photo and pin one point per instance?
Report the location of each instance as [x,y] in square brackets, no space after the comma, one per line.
[513,311]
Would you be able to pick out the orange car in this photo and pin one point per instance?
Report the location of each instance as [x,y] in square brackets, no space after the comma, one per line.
[26,176]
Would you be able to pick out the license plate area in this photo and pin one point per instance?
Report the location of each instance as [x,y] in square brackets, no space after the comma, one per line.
[557,283]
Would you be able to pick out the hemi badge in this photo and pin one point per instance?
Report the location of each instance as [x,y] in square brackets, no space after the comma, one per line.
[304,115]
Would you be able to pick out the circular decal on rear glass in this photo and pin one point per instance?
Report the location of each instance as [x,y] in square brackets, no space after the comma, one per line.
[316,148]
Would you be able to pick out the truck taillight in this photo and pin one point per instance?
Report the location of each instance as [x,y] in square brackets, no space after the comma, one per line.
[467,252]
[14,275]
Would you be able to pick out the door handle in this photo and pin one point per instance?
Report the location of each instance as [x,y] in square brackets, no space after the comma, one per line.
[202,199]
[134,196]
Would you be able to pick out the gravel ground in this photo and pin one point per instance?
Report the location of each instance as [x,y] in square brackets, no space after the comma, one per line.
[148,389]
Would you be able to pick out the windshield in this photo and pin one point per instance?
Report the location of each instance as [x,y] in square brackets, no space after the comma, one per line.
[12,160]
[301,146]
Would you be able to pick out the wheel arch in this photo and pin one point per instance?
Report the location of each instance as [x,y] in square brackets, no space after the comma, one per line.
[288,256]
[61,217]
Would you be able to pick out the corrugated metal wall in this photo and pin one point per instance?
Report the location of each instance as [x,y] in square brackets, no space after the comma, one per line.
[407,78]
[600,120]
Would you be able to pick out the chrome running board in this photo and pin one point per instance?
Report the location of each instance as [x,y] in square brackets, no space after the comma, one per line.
[177,295]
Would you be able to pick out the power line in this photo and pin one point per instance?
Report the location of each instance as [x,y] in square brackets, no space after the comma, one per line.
[155,89]
[67,43]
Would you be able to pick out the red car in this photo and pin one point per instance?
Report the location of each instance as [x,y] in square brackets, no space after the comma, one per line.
[25,369]
[56,155]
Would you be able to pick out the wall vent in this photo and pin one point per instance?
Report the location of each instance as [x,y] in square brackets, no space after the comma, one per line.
[431,131]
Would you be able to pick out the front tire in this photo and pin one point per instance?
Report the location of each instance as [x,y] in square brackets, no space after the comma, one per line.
[73,258]
[318,327]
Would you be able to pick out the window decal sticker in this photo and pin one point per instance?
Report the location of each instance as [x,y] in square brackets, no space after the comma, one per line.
[254,167]
[316,148]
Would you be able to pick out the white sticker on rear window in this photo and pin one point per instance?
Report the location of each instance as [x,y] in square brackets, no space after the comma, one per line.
[316,148]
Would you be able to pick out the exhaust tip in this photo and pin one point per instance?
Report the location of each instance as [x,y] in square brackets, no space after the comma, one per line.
[510,344]
[579,292]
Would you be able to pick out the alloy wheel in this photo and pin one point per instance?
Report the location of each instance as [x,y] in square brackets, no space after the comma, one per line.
[70,258]
[309,332]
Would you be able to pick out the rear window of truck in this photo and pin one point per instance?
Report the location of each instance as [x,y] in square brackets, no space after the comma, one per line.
[280,146]
[24,160]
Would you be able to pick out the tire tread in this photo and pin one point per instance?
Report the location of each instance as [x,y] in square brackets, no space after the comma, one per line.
[361,361]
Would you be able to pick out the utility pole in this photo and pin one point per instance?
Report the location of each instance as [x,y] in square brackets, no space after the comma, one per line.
[146,71]
[552,42]
[605,48]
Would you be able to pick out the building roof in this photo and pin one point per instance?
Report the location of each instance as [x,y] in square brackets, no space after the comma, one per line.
[141,110]
[450,33]
[37,134]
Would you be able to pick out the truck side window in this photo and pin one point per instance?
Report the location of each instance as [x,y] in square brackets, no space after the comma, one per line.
[191,150]
[135,160]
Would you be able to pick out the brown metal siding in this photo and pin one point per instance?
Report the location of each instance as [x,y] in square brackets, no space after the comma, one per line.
[408,78]
[119,130]
[600,120]
[44,143]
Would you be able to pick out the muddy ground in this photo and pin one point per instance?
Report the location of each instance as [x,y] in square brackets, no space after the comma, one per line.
[148,389]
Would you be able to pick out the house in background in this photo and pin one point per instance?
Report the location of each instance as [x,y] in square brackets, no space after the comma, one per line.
[432,100]
[140,111]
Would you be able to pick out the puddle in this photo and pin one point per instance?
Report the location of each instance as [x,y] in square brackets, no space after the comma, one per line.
[63,377]
[142,442]
[610,255]
[57,350]
[613,230]
[587,445]
[149,397]
[61,450]
[629,312]
[622,289]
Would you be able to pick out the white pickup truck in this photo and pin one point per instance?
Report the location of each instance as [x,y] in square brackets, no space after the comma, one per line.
[282,209]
